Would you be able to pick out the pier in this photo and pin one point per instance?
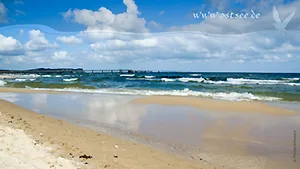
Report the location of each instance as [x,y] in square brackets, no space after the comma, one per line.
[117,71]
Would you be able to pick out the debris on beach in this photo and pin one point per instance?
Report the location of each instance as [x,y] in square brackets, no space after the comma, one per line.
[86,156]
[36,142]
[116,146]
[116,156]
[71,155]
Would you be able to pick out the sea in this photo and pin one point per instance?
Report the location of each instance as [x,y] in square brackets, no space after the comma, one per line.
[214,85]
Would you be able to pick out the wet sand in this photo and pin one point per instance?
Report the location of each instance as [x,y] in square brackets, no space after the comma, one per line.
[72,141]
[215,105]
[22,90]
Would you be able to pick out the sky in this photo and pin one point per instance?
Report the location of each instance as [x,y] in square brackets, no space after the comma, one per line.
[169,35]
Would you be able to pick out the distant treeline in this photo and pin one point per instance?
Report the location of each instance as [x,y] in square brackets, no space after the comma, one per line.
[43,71]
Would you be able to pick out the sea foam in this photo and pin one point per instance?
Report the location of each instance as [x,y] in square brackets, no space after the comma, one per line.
[232,96]
[2,83]
[70,80]
[185,79]
[167,80]
[241,81]
[23,80]
[127,75]
[149,77]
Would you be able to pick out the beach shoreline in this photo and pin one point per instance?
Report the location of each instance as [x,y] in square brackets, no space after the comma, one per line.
[25,90]
[72,141]
[190,101]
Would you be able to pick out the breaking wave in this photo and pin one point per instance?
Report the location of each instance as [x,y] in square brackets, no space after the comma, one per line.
[149,77]
[232,96]
[229,81]
[241,81]
[195,74]
[23,80]
[184,79]
[2,83]
[70,80]
[168,80]
[127,75]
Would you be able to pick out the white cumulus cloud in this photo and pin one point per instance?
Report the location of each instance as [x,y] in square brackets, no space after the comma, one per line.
[38,41]
[188,46]
[61,55]
[104,19]
[70,39]
[10,46]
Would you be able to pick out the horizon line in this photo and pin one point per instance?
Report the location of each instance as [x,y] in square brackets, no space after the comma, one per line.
[178,71]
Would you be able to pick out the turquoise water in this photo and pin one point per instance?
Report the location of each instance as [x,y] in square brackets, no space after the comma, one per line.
[228,86]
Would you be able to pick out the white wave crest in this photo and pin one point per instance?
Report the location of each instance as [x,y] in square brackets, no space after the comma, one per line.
[142,79]
[251,81]
[70,80]
[292,79]
[127,75]
[184,79]
[167,80]
[149,77]
[232,96]
[58,76]
[28,76]
[23,80]
[2,83]
[46,75]
[195,74]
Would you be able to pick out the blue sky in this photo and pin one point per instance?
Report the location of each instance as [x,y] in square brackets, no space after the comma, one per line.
[49,12]
[156,34]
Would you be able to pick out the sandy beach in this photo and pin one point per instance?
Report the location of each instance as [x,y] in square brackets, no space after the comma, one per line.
[71,141]
[7,76]
[204,122]
[141,84]
[215,105]
[18,150]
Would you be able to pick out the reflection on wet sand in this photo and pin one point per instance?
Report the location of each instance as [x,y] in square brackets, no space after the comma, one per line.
[113,111]
[232,140]
[250,142]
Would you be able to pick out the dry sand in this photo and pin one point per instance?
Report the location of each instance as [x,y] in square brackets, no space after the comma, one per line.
[18,150]
[215,105]
[72,141]
[7,76]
